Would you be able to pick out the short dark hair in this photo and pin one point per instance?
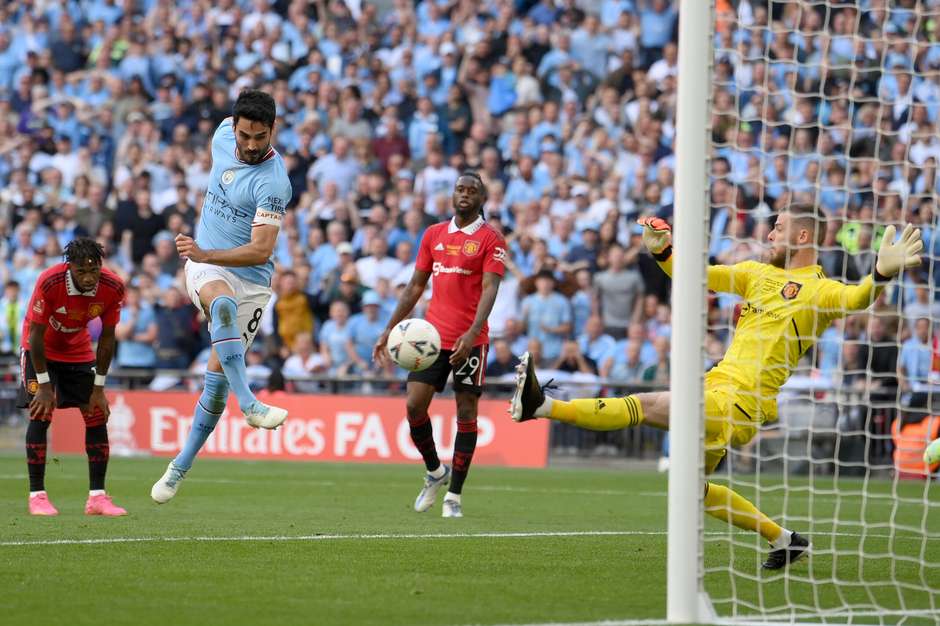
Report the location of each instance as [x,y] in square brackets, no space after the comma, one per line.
[474,175]
[84,249]
[255,105]
[809,217]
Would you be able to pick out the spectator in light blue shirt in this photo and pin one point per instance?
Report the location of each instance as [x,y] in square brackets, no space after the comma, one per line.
[582,304]
[914,360]
[523,188]
[411,231]
[502,94]
[334,338]
[624,363]
[137,63]
[594,342]
[8,62]
[556,56]
[425,123]
[657,21]
[590,47]
[611,10]
[338,167]
[547,316]
[435,23]
[104,10]
[829,350]
[832,196]
[136,332]
[364,330]
[325,257]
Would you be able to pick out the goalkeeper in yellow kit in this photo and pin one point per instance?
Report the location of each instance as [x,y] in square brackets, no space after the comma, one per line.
[788,303]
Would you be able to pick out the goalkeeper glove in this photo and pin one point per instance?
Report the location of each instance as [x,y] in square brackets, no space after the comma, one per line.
[657,235]
[896,256]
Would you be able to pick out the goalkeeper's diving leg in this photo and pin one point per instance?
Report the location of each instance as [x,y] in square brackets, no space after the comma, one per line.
[529,402]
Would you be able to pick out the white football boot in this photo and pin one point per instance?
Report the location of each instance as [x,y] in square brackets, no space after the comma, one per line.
[428,494]
[260,415]
[164,489]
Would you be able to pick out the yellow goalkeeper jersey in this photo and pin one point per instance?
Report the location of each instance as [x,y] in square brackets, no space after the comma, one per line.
[783,314]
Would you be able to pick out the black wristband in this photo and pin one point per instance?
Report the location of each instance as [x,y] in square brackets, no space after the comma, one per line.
[664,255]
[879,278]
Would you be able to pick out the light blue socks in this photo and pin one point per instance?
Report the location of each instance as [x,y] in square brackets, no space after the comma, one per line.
[208,411]
[230,349]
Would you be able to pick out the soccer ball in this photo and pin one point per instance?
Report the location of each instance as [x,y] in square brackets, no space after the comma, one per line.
[414,344]
[932,453]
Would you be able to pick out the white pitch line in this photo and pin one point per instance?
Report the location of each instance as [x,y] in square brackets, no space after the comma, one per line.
[333,537]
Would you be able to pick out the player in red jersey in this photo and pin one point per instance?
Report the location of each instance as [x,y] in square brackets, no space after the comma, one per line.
[59,369]
[465,256]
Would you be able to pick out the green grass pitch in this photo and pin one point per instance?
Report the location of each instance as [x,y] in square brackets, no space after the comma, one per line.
[284,543]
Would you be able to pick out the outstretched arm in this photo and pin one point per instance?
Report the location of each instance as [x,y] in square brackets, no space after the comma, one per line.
[893,258]
[657,236]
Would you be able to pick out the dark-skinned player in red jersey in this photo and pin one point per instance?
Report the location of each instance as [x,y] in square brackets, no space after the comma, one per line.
[59,370]
[465,257]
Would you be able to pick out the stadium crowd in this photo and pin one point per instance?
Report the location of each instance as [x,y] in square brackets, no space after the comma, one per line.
[565,107]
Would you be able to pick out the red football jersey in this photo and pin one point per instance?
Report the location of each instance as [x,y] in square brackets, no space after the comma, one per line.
[66,311]
[457,259]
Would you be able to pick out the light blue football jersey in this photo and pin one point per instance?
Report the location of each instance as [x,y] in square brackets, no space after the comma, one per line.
[241,196]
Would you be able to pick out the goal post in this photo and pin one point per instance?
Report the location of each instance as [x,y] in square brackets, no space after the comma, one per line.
[834,103]
[684,560]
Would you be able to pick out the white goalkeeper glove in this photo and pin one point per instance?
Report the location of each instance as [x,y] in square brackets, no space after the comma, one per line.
[895,256]
[657,234]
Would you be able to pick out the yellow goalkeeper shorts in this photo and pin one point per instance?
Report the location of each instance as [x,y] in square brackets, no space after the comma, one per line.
[732,417]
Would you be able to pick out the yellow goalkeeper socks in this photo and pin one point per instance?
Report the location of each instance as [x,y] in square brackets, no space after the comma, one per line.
[724,504]
[598,413]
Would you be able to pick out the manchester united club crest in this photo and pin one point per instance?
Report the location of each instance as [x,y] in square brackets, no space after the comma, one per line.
[471,248]
[32,386]
[95,309]
[791,290]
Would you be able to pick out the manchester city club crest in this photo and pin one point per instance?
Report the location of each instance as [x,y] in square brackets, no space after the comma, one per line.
[227,177]
[791,290]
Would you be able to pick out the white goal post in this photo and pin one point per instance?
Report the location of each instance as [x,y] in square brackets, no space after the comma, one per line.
[684,558]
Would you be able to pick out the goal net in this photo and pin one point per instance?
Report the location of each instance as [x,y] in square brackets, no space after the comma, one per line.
[836,104]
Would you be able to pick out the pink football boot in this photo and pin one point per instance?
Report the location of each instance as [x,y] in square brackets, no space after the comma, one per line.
[102,505]
[40,505]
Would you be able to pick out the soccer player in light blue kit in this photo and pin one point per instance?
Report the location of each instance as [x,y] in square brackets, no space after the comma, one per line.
[228,268]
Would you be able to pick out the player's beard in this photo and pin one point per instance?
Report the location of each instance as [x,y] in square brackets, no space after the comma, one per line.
[256,158]
[779,257]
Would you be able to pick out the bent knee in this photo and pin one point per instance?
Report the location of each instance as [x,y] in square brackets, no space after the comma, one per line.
[224,310]
[416,411]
